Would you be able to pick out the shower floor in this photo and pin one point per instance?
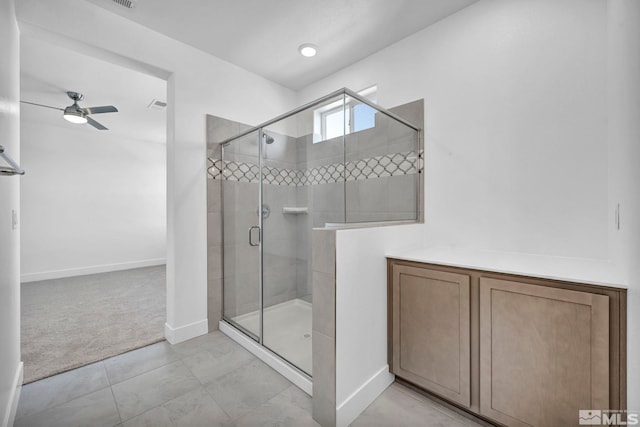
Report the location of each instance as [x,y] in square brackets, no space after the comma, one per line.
[287,331]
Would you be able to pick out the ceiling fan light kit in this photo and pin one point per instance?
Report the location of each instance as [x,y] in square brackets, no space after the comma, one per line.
[74,116]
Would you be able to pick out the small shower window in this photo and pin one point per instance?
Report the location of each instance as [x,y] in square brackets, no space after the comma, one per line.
[333,123]
[329,120]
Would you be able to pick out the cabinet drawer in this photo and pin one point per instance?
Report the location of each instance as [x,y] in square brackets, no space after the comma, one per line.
[431,331]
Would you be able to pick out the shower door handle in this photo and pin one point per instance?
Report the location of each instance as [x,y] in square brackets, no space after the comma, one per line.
[256,227]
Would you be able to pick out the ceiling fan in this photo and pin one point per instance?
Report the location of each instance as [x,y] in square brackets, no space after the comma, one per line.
[76,114]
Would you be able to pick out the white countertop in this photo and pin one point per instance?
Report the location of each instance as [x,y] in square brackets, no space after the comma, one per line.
[580,270]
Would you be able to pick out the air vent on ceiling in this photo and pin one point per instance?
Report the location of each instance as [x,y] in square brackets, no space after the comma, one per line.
[157,105]
[129,4]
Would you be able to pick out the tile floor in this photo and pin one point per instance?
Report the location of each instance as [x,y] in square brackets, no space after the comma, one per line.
[207,381]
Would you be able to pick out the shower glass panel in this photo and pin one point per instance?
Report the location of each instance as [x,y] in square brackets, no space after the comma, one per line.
[381,166]
[241,234]
[337,161]
[302,188]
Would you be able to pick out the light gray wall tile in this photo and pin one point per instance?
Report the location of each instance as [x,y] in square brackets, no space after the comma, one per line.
[214,188]
[214,228]
[324,251]
[214,302]
[214,262]
[324,150]
[219,129]
[413,112]
[213,320]
[279,274]
[324,310]
[319,219]
[402,193]
[317,162]
[324,380]
[241,291]
[369,195]
[283,149]
[328,198]
[303,277]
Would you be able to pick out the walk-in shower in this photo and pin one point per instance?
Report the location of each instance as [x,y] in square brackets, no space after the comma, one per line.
[338,161]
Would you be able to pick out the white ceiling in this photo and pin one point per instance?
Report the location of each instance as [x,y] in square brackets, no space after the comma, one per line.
[263,36]
[48,71]
[259,35]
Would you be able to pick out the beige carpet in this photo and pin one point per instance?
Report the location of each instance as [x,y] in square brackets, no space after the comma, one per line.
[71,322]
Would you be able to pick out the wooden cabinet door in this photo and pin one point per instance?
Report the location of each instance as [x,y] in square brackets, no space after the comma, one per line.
[544,353]
[430,331]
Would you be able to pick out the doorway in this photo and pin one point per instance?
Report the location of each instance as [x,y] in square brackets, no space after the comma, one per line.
[93,210]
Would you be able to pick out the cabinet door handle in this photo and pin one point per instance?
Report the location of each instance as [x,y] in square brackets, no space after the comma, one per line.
[256,227]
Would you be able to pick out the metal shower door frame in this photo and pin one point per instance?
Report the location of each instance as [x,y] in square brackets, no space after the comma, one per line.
[257,338]
[420,161]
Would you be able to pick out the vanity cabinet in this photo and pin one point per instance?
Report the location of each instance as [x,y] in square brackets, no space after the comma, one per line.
[513,350]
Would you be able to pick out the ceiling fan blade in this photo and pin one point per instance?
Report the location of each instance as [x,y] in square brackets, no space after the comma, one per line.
[99,110]
[95,124]
[42,105]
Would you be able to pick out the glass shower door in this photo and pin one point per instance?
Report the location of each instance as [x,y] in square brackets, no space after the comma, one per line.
[302,188]
[286,289]
[241,234]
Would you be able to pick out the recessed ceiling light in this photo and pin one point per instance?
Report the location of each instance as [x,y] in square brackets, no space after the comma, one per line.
[308,49]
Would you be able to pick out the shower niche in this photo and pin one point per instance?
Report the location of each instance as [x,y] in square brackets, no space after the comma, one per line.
[339,161]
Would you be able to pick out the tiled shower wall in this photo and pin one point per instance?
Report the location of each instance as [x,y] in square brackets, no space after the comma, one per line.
[370,177]
[240,211]
[282,254]
[218,129]
[386,157]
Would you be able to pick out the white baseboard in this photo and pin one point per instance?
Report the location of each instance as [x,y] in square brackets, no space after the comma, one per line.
[93,269]
[283,368]
[186,332]
[14,398]
[352,407]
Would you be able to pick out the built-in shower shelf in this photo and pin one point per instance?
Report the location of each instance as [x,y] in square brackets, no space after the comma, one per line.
[295,211]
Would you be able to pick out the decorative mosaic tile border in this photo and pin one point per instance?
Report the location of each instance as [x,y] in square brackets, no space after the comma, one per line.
[395,164]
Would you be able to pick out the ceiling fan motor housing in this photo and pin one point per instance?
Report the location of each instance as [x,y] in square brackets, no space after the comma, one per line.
[75,96]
